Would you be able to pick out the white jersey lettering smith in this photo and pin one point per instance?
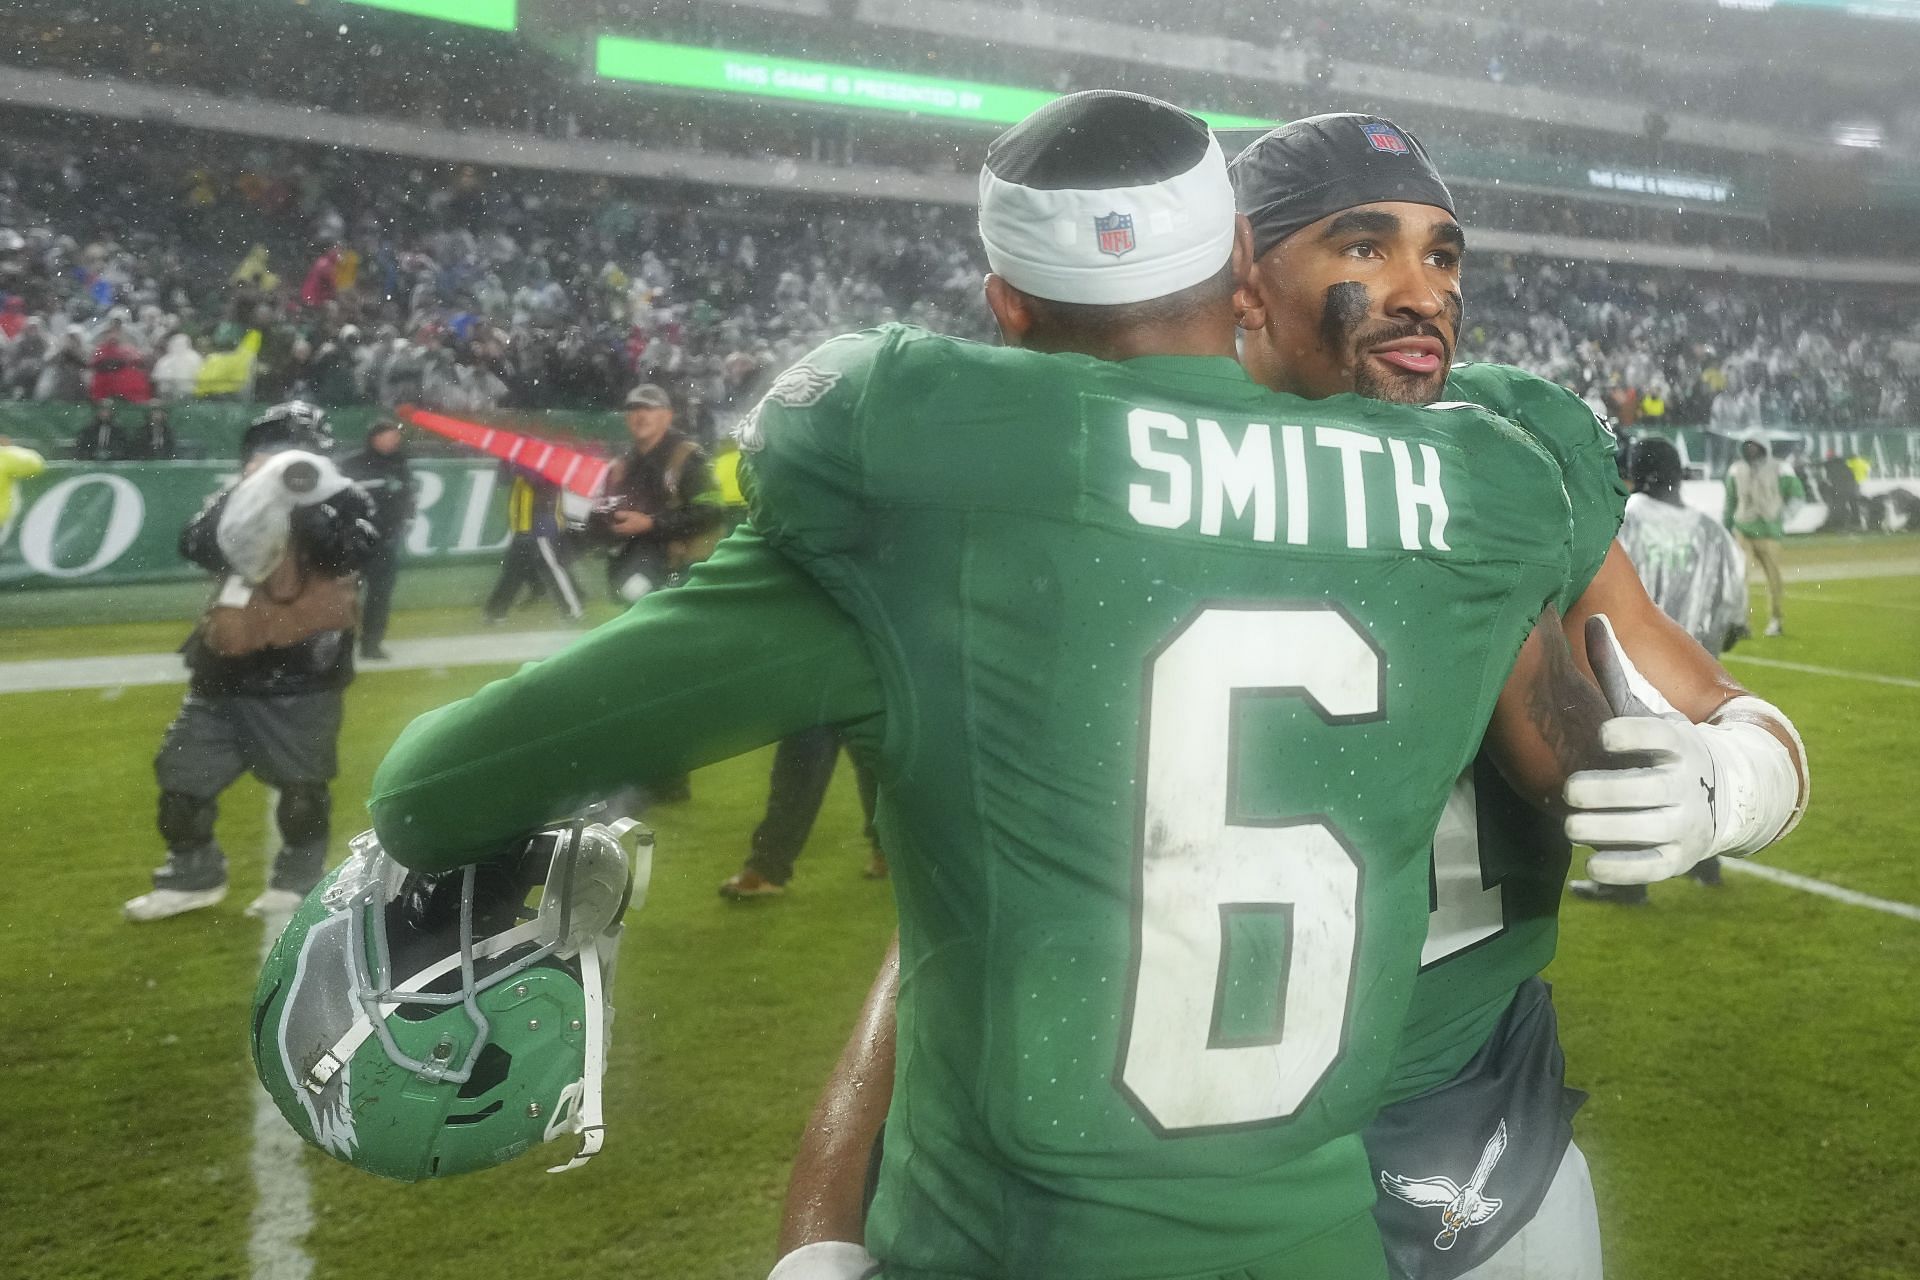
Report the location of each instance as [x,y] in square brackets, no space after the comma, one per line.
[1229,481]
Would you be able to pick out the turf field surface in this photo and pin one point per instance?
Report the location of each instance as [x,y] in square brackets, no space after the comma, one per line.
[1750,1050]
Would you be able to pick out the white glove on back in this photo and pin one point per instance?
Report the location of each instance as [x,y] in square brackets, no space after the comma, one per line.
[1686,791]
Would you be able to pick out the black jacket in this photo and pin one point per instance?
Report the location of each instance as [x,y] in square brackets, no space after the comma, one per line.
[335,536]
[665,482]
[99,442]
[388,480]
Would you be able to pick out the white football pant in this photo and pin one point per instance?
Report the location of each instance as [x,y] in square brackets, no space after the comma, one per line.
[1562,1242]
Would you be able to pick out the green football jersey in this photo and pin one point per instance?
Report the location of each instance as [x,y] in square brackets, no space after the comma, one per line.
[1499,864]
[1177,673]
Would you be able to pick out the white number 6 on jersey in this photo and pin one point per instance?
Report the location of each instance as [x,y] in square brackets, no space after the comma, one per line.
[1198,866]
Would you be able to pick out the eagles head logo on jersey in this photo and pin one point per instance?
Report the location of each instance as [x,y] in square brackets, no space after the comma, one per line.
[797,388]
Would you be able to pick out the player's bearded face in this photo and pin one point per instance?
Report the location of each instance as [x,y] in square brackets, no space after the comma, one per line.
[1367,301]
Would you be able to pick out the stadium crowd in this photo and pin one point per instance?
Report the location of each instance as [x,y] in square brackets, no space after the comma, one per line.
[356,280]
[309,58]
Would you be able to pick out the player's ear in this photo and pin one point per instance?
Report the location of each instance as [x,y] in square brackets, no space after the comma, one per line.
[1249,295]
[1010,310]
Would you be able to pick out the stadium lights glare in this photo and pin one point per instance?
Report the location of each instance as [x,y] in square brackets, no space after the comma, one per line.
[679,66]
[495,15]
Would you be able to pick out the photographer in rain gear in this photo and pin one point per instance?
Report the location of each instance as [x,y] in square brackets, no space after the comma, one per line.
[662,512]
[269,663]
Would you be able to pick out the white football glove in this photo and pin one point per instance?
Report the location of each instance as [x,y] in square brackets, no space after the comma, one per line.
[826,1260]
[1685,791]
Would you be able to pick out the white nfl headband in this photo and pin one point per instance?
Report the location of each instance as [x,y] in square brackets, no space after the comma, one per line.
[1105,248]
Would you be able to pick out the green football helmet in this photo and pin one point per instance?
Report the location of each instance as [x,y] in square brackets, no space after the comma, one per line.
[420,1026]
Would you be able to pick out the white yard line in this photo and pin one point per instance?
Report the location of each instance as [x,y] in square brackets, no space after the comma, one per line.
[1850,602]
[51,674]
[1807,884]
[1872,677]
[283,1194]
[1841,571]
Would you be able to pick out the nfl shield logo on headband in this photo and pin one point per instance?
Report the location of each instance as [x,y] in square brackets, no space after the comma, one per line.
[1114,233]
[1384,137]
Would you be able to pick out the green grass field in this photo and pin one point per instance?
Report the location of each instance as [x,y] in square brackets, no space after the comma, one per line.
[1752,1052]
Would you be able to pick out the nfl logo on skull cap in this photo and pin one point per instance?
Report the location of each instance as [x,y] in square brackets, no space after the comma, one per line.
[1384,137]
[1114,233]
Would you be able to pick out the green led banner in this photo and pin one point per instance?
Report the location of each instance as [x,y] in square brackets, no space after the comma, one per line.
[680,66]
[496,15]
[1907,9]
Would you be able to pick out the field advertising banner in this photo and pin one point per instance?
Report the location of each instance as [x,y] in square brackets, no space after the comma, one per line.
[81,524]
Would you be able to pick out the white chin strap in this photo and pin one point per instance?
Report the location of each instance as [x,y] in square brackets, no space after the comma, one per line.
[585,1117]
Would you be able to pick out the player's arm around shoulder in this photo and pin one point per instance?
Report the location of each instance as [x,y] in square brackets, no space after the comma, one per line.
[1546,725]
[747,652]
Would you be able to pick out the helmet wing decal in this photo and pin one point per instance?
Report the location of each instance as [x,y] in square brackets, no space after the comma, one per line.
[319,1006]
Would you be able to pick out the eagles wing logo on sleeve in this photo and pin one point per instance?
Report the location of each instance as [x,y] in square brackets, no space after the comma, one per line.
[797,388]
[1460,1207]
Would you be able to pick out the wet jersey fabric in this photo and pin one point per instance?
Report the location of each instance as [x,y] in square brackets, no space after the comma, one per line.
[747,652]
[1177,675]
[1565,426]
[1499,865]
[1498,871]
[1462,1168]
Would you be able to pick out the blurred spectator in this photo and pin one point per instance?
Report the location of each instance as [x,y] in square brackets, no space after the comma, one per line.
[227,370]
[803,765]
[1841,488]
[1757,494]
[334,370]
[320,287]
[23,359]
[1689,564]
[381,469]
[154,442]
[63,376]
[177,373]
[537,556]
[254,273]
[100,440]
[17,463]
[119,367]
[1653,406]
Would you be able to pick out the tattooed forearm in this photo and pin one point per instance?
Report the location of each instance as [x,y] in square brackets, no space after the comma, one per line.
[1564,707]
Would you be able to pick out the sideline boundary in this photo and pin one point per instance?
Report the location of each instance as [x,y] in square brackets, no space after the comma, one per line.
[1807,884]
[51,675]
[1872,677]
[282,1192]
